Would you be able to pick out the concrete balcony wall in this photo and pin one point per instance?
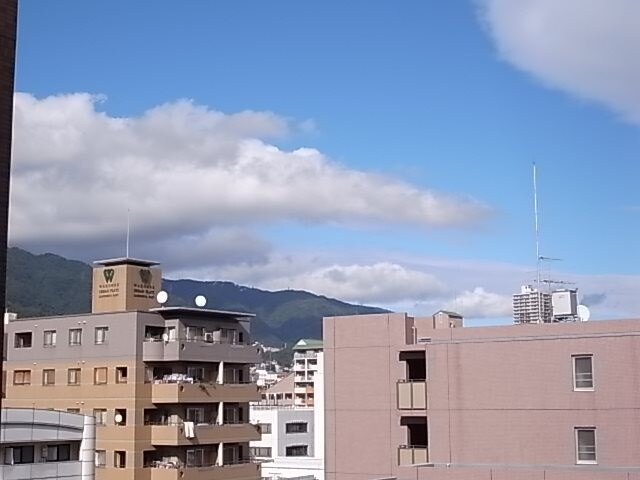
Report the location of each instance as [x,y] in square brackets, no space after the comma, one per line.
[35,471]
[173,435]
[245,471]
[199,352]
[408,455]
[203,393]
[412,395]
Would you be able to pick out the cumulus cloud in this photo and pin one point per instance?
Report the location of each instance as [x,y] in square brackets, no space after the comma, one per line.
[590,48]
[478,303]
[184,169]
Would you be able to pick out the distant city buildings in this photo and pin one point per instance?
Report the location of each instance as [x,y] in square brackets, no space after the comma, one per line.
[421,398]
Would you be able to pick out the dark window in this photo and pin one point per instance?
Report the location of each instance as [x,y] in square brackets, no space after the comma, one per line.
[120,459]
[296,451]
[296,427]
[195,458]
[23,340]
[48,376]
[121,374]
[23,454]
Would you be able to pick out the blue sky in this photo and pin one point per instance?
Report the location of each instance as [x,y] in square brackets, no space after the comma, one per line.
[456,97]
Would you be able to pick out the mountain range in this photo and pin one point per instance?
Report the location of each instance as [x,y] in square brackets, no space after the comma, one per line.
[48,284]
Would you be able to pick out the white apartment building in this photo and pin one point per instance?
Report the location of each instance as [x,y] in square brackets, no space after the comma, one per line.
[305,367]
[292,443]
[46,445]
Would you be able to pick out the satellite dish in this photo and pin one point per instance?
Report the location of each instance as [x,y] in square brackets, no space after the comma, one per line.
[118,418]
[162,297]
[201,301]
[583,313]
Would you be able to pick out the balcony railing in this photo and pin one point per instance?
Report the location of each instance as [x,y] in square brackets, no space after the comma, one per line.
[412,454]
[198,349]
[243,469]
[412,394]
[204,392]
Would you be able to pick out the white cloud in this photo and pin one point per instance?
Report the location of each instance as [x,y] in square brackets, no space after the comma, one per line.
[183,169]
[590,48]
[478,303]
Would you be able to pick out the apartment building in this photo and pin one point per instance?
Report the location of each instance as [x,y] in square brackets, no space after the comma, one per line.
[418,398]
[292,443]
[46,445]
[305,366]
[169,387]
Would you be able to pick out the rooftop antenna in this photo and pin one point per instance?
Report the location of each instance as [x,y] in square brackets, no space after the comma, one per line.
[535,213]
[128,230]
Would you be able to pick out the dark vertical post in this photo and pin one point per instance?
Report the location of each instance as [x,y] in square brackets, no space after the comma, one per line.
[8,25]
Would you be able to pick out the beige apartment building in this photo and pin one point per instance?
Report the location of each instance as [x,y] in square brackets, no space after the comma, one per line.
[423,398]
[169,387]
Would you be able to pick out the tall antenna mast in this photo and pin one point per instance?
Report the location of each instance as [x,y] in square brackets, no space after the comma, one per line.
[535,213]
[128,230]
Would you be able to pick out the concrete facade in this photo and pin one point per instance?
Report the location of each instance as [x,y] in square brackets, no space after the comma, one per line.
[534,402]
[46,445]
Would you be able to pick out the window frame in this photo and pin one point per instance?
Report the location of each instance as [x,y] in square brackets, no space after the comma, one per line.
[96,376]
[119,454]
[292,432]
[577,431]
[120,379]
[103,416]
[265,428]
[194,452]
[53,336]
[19,337]
[23,372]
[45,376]
[574,359]
[100,458]
[71,334]
[104,331]
[257,451]
[286,450]
[78,374]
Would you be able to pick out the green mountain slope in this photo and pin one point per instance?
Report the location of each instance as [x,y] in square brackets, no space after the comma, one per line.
[48,284]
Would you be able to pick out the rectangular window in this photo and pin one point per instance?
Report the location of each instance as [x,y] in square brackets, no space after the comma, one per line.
[16,455]
[101,335]
[197,373]
[120,459]
[100,414]
[296,451]
[75,336]
[120,417]
[100,375]
[586,445]
[48,376]
[121,374]
[22,377]
[260,452]
[101,458]
[296,427]
[195,457]
[195,334]
[73,376]
[265,428]
[582,372]
[23,340]
[195,414]
[56,453]
[49,338]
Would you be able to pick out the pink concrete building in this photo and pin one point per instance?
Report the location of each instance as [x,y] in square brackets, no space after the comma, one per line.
[420,398]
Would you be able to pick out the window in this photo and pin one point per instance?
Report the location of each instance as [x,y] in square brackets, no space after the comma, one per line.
[101,458]
[48,376]
[586,445]
[73,376]
[100,414]
[583,372]
[56,453]
[195,458]
[121,374]
[296,451]
[195,334]
[120,416]
[120,459]
[49,338]
[15,455]
[195,414]
[260,451]
[75,336]
[22,377]
[265,428]
[23,340]
[101,335]
[197,373]
[296,427]
[100,375]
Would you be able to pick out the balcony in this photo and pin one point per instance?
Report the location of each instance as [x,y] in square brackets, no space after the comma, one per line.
[40,470]
[203,434]
[241,471]
[412,394]
[197,350]
[204,392]
[412,454]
